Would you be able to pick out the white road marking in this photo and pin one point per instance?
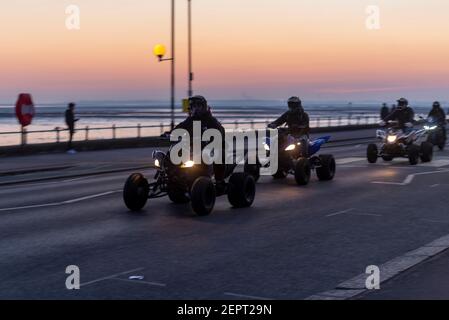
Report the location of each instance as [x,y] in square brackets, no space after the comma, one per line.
[111,277]
[156,284]
[340,212]
[53,204]
[245,296]
[357,285]
[436,163]
[365,214]
[409,178]
[349,160]
[435,185]
[435,221]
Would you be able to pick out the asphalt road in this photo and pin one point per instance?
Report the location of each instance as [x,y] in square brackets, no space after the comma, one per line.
[293,243]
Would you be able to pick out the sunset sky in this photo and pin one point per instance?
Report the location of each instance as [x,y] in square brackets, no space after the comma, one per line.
[243,49]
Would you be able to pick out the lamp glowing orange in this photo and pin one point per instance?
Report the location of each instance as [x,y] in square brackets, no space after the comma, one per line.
[159,51]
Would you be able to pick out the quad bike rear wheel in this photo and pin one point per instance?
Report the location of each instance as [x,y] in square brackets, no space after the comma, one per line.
[326,171]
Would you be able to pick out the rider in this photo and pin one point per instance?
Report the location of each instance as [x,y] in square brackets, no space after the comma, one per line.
[297,121]
[403,114]
[437,113]
[200,111]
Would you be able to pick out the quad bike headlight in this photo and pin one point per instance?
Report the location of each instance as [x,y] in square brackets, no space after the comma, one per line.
[392,139]
[266,147]
[290,147]
[430,127]
[188,164]
[157,163]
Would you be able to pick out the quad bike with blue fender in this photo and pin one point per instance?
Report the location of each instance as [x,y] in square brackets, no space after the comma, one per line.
[297,155]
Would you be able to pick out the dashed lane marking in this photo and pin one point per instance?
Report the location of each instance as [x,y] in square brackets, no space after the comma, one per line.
[340,212]
[111,276]
[54,204]
[409,178]
[236,295]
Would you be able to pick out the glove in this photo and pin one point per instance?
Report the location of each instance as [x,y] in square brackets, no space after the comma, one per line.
[409,125]
[272,126]
[382,123]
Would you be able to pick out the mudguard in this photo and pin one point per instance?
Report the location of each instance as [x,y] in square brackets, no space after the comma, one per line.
[315,146]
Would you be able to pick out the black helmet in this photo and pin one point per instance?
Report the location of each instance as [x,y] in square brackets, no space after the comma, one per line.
[402,103]
[436,104]
[294,103]
[198,105]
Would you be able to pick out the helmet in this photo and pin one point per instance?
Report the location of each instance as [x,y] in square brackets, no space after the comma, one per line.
[436,104]
[402,103]
[198,106]
[294,103]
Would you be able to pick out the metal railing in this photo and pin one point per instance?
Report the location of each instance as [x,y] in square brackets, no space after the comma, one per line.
[87,132]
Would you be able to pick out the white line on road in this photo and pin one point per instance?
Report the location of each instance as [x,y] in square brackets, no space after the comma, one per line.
[340,212]
[356,286]
[245,296]
[409,178]
[54,204]
[111,277]
[156,284]
[365,214]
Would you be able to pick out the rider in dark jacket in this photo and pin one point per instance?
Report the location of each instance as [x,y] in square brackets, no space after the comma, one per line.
[403,114]
[437,113]
[200,111]
[297,121]
[296,118]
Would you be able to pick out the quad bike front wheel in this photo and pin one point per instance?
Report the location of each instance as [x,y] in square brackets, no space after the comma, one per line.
[372,153]
[413,154]
[426,153]
[326,171]
[241,190]
[203,196]
[302,171]
[253,170]
[135,192]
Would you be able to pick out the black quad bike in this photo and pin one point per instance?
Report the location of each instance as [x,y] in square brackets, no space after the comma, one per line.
[395,143]
[298,156]
[437,133]
[189,182]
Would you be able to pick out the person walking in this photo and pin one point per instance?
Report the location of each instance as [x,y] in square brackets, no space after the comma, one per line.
[384,111]
[70,121]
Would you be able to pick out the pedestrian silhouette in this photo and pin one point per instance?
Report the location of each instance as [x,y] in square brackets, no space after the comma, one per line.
[70,121]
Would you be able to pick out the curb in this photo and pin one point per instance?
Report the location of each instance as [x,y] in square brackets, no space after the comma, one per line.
[356,287]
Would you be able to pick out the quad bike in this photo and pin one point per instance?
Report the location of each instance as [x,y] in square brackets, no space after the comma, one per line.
[189,182]
[297,155]
[395,142]
[437,133]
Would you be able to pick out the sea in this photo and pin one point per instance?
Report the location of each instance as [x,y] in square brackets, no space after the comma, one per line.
[102,115]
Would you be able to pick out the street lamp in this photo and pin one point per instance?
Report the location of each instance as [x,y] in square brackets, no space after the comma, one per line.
[160,51]
[190,92]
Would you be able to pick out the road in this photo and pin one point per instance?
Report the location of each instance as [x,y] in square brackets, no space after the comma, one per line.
[295,242]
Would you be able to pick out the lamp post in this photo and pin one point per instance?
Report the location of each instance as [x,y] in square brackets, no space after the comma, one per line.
[189,4]
[160,52]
